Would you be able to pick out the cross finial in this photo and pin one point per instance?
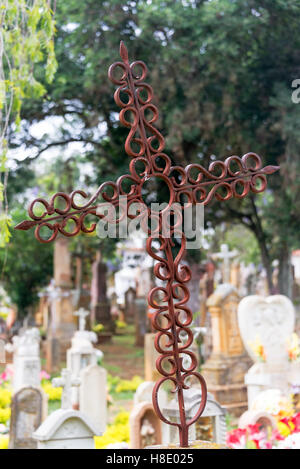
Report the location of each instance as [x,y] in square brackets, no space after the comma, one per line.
[123,52]
[82,314]
[66,381]
[225,255]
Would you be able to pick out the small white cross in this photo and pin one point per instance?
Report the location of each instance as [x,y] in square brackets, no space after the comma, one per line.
[82,314]
[66,382]
[225,255]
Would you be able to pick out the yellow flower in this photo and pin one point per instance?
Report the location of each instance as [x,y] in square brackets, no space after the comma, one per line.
[4,415]
[54,394]
[129,385]
[115,433]
[283,429]
[5,397]
[4,442]
[293,347]
[258,348]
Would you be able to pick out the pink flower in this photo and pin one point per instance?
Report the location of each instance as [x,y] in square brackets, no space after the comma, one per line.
[296,422]
[236,439]
[44,375]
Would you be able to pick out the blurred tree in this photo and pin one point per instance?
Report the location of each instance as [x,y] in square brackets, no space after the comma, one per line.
[27,266]
[26,38]
[222,73]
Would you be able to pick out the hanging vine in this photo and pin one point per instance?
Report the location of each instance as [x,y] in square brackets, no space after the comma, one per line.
[27,29]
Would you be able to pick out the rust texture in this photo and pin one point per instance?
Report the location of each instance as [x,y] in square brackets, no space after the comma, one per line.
[234,177]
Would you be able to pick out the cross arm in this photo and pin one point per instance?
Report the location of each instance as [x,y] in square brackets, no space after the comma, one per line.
[234,177]
[56,218]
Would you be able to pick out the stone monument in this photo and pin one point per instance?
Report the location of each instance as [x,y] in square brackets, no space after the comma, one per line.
[66,428]
[26,416]
[225,369]
[267,325]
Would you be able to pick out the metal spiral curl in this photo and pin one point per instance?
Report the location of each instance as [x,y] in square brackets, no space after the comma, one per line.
[171,307]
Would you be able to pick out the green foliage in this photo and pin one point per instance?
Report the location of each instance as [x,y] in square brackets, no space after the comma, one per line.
[27,28]
[27,266]
[222,73]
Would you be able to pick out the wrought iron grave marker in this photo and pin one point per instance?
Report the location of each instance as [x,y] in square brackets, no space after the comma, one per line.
[144,145]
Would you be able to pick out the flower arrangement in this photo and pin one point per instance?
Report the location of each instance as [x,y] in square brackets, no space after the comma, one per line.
[258,349]
[293,348]
[4,442]
[120,324]
[98,328]
[54,394]
[275,403]
[251,437]
[116,434]
[287,433]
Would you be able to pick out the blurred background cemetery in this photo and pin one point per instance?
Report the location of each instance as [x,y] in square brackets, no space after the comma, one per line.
[74,316]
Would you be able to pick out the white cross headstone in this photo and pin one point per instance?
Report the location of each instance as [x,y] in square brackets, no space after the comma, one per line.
[82,315]
[225,255]
[67,381]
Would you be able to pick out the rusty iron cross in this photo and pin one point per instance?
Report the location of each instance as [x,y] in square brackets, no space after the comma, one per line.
[234,177]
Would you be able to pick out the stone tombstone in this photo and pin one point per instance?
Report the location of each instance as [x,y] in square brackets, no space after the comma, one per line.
[53,355]
[26,416]
[67,381]
[150,357]
[62,263]
[100,304]
[61,296]
[66,429]
[145,426]
[144,394]
[225,369]
[268,322]
[213,411]
[225,256]
[130,297]
[82,352]
[26,359]
[140,320]
[93,395]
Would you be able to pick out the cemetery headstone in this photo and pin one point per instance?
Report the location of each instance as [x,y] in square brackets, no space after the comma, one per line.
[66,381]
[66,429]
[225,255]
[100,304]
[130,297]
[63,319]
[26,359]
[213,412]
[93,395]
[150,357]
[225,369]
[140,319]
[266,325]
[26,416]
[145,426]
[82,352]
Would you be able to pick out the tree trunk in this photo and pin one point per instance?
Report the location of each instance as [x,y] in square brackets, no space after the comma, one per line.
[261,238]
[285,271]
